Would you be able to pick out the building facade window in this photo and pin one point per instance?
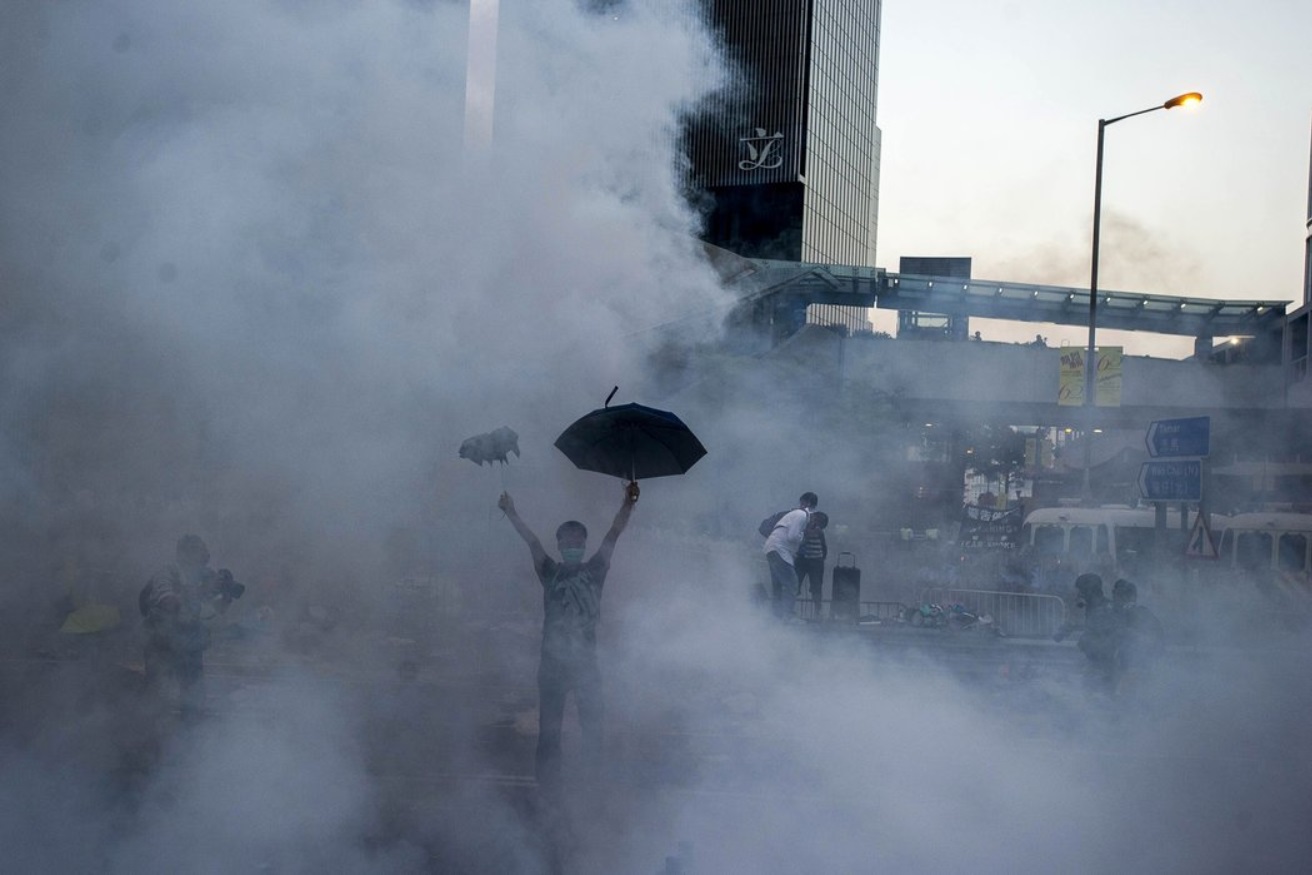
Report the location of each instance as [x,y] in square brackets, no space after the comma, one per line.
[785,160]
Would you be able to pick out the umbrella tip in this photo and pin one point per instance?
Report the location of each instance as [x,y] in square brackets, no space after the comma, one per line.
[610,396]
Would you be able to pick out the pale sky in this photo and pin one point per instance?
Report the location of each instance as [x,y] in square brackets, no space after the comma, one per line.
[990,111]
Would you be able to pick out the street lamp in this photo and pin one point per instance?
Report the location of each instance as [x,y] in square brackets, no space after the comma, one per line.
[1090,362]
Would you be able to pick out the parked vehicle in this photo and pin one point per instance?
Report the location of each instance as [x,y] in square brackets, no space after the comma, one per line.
[1273,551]
[1060,543]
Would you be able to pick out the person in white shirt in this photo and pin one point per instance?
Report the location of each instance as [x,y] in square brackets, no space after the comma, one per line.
[781,552]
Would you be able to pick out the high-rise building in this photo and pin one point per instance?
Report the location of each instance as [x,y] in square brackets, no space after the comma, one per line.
[785,161]
[1298,333]
[1307,252]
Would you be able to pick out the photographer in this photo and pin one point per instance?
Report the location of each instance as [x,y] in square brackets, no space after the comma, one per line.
[1098,635]
[177,604]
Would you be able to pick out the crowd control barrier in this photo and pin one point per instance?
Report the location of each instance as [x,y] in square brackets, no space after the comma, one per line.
[1017,614]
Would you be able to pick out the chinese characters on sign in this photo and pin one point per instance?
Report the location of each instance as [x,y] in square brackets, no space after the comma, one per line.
[1171,481]
[1107,382]
[988,527]
[1180,437]
[1070,385]
[1176,479]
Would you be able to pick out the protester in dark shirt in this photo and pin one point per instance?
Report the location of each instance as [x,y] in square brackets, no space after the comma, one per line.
[1140,635]
[177,605]
[571,607]
[810,561]
[1098,637]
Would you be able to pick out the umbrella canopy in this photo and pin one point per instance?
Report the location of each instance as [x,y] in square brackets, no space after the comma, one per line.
[631,441]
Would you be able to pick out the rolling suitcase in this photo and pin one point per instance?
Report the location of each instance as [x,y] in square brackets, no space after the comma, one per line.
[845,603]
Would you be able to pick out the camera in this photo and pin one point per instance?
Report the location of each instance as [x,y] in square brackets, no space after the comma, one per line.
[228,586]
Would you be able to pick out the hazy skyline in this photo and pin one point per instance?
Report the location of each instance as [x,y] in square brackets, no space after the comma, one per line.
[989,116]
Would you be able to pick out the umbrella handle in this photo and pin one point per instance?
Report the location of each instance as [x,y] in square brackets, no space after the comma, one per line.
[610,396]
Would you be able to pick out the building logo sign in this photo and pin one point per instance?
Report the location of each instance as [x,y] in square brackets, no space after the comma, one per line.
[764,151]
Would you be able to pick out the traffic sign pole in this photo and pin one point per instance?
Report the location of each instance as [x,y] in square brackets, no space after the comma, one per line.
[1204,506]
[1187,441]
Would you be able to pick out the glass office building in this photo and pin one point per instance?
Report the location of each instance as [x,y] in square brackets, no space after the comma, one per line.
[1307,252]
[785,162]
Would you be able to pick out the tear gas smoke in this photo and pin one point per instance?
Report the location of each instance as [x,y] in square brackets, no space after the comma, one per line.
[254,287]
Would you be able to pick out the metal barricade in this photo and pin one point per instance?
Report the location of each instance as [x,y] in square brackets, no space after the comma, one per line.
[868,611]
[1018,614]
[882,611]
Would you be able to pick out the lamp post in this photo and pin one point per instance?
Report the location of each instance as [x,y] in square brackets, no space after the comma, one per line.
[1090,360]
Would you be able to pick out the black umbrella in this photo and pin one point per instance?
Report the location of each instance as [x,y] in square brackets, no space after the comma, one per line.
[631,441]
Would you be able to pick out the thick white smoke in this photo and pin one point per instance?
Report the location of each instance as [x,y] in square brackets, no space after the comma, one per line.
[254,286]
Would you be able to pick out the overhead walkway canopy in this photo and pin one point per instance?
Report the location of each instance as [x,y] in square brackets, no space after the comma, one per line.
[1021,302]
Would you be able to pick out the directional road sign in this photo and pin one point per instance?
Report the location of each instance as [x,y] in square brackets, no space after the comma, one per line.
[1180,437]
[1180,480]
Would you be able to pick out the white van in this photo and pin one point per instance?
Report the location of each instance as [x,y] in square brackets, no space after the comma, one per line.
[1274,549]
[1063,542]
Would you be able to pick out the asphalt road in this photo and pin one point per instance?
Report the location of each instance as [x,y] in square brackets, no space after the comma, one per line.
[444,741]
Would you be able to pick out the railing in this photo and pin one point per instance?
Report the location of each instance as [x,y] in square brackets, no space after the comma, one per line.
[881,610]
[1018,614]
[866,611]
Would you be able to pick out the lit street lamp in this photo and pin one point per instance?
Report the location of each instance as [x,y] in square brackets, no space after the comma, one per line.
[1090,361]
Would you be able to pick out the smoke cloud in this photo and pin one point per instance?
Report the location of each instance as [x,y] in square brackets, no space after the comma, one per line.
[256,287]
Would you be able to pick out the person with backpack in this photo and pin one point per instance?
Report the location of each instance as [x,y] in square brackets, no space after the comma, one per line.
[1098,631]
[810,562]
[177,605]
[781,547]
[1141,637]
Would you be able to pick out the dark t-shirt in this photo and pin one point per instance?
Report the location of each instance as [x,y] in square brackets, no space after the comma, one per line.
[571,606]
[1100,629]
[174,607]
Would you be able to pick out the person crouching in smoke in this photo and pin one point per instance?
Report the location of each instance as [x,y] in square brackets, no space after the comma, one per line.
[177,604]
[1097,632]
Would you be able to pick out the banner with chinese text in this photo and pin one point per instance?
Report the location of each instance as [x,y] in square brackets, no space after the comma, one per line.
[1107,384]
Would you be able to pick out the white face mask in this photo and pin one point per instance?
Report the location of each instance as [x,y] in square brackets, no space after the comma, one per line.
[572,554]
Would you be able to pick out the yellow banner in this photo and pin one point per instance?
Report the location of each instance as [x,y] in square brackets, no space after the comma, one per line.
[1107,384]
[1107,392]
[1070,385]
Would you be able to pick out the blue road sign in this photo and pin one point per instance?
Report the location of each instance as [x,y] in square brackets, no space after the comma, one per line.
[1180,437]
[1180,480]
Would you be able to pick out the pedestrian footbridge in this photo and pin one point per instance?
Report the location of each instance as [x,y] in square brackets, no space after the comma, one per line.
[844,285]
[937,380]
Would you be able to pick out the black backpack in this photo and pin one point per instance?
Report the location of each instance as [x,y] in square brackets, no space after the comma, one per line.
[767,525]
